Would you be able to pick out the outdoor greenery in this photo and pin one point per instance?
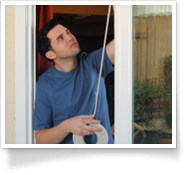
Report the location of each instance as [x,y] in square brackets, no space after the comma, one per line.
[147,92]
[144,94]
[168,89]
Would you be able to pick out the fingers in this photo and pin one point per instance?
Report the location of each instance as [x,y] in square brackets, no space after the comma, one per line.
[86,128]
[86,116]
[87,119]
[91,121]
[80,125]
[91,128]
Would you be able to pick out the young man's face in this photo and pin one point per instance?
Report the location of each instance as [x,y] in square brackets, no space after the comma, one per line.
[63,42]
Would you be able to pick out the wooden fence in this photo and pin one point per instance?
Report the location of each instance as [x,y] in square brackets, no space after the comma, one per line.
[152,41]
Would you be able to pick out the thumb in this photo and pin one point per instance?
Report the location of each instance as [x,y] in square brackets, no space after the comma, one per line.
[87,116]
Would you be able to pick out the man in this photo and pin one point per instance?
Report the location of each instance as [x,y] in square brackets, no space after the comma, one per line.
[65,93]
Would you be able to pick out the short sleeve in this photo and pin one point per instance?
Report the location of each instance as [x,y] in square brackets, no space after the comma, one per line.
[42,111]
[94,59]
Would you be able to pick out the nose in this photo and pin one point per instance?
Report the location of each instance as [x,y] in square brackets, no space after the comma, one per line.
[69,37]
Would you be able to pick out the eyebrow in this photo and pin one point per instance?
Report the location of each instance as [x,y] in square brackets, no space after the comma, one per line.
[61,34]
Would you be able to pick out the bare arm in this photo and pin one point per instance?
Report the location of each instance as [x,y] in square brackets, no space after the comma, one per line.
[76,125]
[110,48]
[51,135]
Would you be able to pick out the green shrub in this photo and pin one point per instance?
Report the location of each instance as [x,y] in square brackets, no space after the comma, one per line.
[144,93]
[168,89]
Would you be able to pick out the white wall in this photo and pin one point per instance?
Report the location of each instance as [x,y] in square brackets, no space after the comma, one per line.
[9,74]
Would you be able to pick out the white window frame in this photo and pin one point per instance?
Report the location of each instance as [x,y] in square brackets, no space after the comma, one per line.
[25,72]
[25,77]
[124,73]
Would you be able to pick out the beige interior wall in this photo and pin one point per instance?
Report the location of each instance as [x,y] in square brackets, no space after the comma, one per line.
[9,74]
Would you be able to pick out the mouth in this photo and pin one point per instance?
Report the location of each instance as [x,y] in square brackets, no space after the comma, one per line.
[73,44]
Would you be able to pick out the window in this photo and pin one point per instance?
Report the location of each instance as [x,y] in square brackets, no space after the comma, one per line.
[144,67]
[152,57]
[125,74]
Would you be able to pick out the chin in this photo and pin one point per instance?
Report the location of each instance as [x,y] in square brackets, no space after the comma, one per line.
[78,51]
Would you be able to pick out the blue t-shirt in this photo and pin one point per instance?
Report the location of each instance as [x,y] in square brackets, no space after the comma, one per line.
[62,95]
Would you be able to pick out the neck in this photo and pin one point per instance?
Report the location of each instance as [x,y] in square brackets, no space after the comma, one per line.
[66,65]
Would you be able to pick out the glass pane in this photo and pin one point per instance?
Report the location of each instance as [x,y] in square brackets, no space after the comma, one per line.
[152,44]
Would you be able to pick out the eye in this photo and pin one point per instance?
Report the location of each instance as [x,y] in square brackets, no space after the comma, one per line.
[60,38]
[68,32]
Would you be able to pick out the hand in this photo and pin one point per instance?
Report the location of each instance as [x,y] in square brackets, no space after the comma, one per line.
[79,125]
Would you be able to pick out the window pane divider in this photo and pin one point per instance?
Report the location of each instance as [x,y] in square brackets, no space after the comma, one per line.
[123,74]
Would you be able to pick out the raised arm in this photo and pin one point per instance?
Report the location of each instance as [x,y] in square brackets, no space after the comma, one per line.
[110,48]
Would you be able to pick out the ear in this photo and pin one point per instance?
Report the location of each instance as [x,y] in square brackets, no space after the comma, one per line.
[50,55]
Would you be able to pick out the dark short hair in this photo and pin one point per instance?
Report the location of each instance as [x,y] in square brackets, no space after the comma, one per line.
[42,42]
